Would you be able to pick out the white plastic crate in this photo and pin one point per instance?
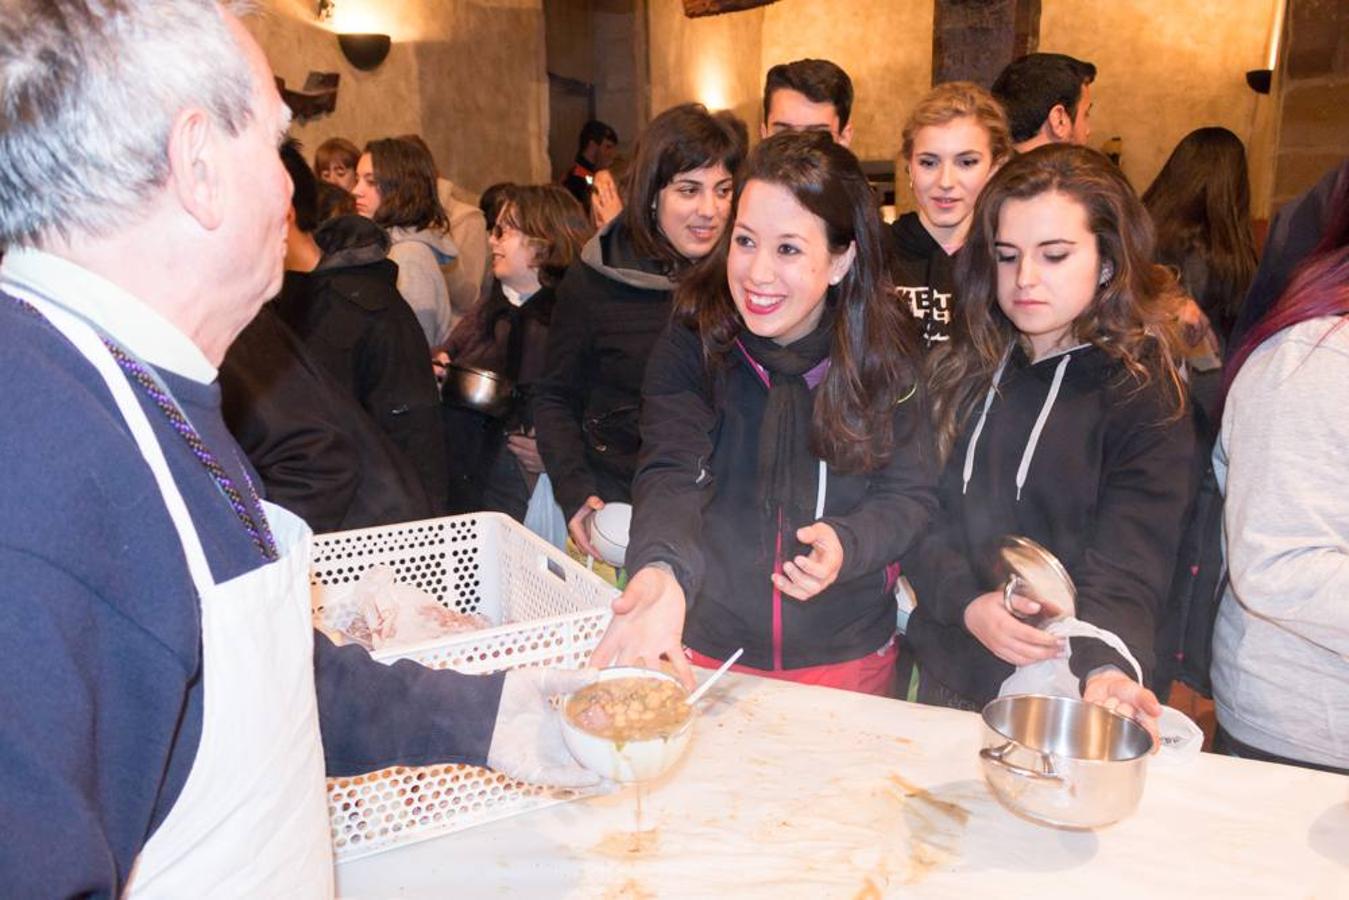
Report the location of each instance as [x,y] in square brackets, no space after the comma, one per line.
[491,565]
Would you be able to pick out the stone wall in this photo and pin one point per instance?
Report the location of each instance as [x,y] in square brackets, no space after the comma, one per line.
[466,74]
[1165,68]
[713,60]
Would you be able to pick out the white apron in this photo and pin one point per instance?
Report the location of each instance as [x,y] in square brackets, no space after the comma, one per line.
[252,818]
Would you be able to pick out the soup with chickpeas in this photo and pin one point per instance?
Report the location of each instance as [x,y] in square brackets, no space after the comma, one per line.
[629,709]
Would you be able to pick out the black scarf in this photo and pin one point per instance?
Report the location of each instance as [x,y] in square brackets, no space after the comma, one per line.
[787,478]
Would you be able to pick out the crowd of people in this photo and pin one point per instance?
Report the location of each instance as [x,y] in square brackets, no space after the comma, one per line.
[808,408]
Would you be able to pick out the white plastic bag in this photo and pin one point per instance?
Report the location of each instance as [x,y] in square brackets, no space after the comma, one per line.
[544,517]
[1181,738]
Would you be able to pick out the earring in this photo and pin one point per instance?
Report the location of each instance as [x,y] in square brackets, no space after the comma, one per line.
[1107,273]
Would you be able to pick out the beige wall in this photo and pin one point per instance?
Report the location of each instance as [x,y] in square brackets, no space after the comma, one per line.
[1166,67]
[467,74]
[885,46]
[713,60]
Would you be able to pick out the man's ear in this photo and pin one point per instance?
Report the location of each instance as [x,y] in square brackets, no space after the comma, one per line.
[195,167]
[845,135]
[1060,124]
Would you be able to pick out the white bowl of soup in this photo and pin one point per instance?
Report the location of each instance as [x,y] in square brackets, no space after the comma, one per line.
[631,724]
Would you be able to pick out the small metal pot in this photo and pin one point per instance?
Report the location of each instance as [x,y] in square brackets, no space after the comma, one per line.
[477,389]
[1062,761]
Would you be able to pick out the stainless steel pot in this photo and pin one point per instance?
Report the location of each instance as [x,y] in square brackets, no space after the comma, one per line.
[1063,761]
[478,389]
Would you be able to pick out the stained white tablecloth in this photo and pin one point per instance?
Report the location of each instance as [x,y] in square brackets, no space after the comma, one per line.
[791,791]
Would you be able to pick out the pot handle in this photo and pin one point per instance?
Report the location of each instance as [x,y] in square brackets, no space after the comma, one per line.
[995,756]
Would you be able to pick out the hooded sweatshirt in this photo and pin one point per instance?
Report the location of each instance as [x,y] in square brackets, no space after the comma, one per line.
[1071,452]
[924,277]
[355,325]
[420,253]
[611,306]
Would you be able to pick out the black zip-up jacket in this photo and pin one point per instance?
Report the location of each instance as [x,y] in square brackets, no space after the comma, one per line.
[924,278]
[356,325]
[1106,490]
[697,509]
[611,306]
[318,453]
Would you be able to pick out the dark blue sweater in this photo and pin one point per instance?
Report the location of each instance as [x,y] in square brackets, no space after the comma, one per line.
[100,680]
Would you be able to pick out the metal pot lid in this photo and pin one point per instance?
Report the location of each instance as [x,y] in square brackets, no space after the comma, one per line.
[1041,577]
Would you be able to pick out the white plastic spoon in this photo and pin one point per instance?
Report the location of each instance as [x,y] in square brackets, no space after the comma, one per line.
[702,688]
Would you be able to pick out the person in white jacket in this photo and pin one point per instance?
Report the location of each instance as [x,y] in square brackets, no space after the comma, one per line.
[1281,641]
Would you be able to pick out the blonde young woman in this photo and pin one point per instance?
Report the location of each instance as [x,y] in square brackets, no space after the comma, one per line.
[1062,417]
[953,142]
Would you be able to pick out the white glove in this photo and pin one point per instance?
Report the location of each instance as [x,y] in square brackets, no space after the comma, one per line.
[527,740]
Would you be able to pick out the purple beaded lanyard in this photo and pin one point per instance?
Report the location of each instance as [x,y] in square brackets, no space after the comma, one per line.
[258,529]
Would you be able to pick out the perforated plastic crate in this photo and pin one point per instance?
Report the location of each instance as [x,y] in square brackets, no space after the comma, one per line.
[548,610]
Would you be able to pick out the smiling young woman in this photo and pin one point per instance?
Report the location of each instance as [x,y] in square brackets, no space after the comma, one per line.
[787,452]
[953,142]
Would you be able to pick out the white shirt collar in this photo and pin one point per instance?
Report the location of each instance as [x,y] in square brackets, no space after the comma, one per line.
[148,335]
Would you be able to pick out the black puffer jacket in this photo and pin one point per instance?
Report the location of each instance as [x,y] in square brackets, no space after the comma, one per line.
[611,306]
[1106,487]
[924,278]
[697,509]
[318,454]
[357,326]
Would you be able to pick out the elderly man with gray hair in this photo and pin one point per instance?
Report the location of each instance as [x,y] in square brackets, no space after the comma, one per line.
[167,715]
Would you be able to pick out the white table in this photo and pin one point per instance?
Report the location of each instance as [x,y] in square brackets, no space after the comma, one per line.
[791,791]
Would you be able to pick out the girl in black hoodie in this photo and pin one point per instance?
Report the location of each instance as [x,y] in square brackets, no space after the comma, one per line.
[953,142]
[786,457]
[1061,415]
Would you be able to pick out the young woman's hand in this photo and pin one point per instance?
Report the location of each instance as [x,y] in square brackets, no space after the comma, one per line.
[1116,691]
[439,361]
[648,625]
[605,204]
[526,450]
[805,576]
[1006,636]
[579,525]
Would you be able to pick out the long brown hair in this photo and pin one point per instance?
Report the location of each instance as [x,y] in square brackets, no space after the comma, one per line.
[872,357]
[1133,316]
[406,175]
[1200,204]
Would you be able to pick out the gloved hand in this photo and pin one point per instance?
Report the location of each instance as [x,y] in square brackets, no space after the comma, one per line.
[527,740]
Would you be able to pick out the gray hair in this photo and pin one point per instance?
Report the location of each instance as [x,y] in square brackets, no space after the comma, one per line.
[89,90]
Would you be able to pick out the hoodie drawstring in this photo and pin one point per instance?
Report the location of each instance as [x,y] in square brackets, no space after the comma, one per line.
[983,415]
[1028,453]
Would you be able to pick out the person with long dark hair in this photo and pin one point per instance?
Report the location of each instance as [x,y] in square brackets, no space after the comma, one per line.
[1060,413]
[786,452]
[1200,203]
[614,301]
[1281,639]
